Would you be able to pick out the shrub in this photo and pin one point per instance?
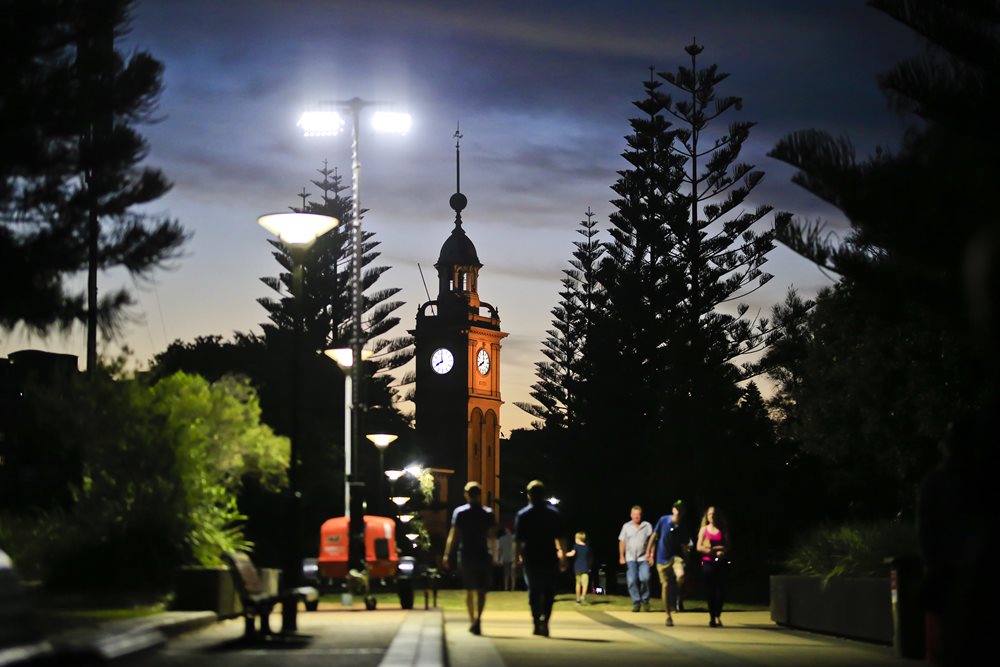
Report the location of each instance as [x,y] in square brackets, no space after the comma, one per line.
[161,465]
[852,549]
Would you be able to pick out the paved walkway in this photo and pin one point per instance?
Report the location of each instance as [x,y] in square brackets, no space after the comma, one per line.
[396,638]
[624,638]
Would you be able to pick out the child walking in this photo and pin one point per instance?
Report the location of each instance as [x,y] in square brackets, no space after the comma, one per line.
[581,566]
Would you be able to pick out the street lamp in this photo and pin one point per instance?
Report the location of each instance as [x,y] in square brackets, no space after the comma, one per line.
[297,231]
[393,475]
[329,122]
[344,356]
[381,441]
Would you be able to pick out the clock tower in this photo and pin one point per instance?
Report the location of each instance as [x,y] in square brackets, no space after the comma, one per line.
[457,340]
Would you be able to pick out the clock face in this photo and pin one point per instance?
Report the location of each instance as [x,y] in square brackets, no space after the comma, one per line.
[483,362]
[442,361]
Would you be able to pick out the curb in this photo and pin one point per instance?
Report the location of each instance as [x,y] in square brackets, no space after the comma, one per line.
[109,641]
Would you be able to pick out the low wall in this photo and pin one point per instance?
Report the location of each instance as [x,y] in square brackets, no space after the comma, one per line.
[859,608]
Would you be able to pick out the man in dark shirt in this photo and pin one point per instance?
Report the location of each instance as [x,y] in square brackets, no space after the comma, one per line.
[537,531]
[473,529]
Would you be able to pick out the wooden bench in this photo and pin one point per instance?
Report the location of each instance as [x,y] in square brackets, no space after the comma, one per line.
[257,601]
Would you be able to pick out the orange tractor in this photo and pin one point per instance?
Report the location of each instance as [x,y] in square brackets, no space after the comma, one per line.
[382,561]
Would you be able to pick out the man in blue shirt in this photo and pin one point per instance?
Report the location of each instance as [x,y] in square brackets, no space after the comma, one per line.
[537,531]
[671,543]
[474,530]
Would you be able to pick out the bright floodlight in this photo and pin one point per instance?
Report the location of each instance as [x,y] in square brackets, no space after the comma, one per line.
[414,470]
[400,500]
[406,518]
[393,475]
[297,228]
[553,500]
[381,440]
[344,356]
[321,123]
[391,122]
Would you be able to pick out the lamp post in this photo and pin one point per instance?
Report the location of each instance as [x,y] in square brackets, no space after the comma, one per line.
[297,231]
[329,122]
[344,356]
[381,441]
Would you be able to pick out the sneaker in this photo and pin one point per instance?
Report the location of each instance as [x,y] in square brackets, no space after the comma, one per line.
[635,606]
[538,628]
[544,628]
[712,623]
[670,622]
[578,602]
[474,628]
[645,605]
[718,622]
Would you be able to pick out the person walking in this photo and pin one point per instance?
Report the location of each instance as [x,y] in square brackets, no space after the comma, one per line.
[632,541]
[537,528]
[670,543]
[714,546]
[473,530]
[581,566]
[505,557]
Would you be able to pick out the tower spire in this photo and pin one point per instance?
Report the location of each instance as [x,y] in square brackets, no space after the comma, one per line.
[458,201]
[458,157]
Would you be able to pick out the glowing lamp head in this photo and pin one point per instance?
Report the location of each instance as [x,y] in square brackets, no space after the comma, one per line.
[391,122]
[381,440]
[414,470]
[553,500]
[412,536]
[400,500]
[393,475]
[297,228]
[321,123]
[344,356]
[406,518]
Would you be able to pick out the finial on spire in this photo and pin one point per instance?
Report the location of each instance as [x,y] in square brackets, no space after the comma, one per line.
[458,201]
[458,156]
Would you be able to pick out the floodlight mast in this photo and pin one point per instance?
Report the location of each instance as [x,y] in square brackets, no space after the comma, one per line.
[325,123]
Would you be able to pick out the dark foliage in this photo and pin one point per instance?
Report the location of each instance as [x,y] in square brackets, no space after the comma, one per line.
[70,174]
[890,358]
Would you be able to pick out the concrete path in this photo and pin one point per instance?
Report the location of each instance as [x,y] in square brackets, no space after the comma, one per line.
[396,638]
[624,638]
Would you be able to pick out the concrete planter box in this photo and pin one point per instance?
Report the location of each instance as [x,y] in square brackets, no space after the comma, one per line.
[206,589]
[859,608]
[211,589]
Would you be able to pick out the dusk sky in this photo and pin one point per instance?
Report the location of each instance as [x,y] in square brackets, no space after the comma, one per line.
[543,92]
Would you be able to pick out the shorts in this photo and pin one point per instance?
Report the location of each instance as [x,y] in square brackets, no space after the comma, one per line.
[673,566]
[583,579]
[476,576]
